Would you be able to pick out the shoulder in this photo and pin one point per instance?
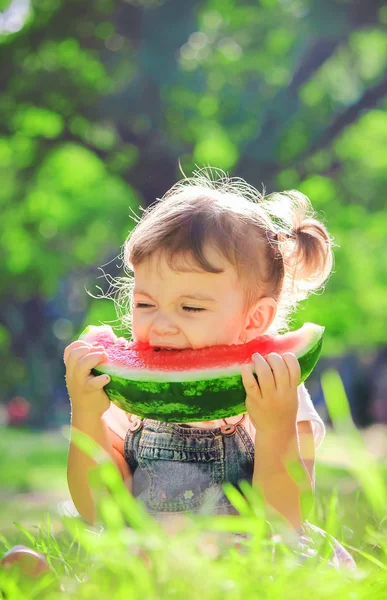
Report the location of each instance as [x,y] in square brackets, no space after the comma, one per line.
[117,420]
[308,413]
[117,426]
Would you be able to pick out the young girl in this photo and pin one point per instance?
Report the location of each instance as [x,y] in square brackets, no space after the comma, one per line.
[214,263]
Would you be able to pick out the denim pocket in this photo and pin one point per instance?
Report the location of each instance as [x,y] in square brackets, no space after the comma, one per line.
[184,470]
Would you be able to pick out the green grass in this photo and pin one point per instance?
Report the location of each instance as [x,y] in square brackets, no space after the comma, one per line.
[32,475]
[143,561]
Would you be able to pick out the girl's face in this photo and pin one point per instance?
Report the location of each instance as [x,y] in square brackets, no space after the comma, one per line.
[178,309]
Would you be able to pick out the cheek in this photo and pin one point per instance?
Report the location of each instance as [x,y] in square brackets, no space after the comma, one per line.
[232,326]
[138,327]
[232,330]
[224,329]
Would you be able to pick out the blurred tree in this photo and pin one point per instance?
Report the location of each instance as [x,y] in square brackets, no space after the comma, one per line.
[100,101]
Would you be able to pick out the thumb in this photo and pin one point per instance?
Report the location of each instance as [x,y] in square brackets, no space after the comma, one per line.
[98,382]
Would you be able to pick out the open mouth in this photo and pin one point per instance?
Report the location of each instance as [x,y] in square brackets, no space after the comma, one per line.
[162,349]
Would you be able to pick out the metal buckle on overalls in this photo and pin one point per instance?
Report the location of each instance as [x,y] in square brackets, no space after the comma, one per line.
[136,424]
[230,428]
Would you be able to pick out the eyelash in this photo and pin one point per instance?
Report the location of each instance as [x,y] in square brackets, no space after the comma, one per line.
[187,308]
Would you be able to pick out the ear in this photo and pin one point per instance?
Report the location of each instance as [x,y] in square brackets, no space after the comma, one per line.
[259,318]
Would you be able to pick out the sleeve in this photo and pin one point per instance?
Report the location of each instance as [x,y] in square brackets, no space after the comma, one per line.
[117,420]
[307,412]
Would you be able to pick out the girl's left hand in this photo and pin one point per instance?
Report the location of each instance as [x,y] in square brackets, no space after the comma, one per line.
[272,403]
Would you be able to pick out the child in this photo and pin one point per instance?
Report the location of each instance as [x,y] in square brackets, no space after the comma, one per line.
[214,263]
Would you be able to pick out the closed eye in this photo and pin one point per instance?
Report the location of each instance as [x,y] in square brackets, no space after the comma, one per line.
[142,305]
[186,308]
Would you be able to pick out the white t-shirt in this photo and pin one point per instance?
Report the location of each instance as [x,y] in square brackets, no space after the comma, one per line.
[117,419]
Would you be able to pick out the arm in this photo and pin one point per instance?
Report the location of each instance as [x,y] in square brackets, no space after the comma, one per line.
[274,449]
[88,403]
[79,464]
[272,403]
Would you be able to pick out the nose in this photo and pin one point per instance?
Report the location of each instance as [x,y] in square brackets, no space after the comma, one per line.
[161,325]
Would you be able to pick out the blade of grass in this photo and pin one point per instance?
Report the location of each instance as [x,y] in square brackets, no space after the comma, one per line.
[368,556]
[132,511]
[26,533]
[237,499]
[331,525]
[227,523]
[362,466]
[254,497]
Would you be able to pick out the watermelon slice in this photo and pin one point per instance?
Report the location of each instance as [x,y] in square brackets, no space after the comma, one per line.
[180,386]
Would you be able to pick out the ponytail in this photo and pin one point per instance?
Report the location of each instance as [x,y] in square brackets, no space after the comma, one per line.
[302,241]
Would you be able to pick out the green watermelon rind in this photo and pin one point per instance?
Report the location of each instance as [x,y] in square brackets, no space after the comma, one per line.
[190,401]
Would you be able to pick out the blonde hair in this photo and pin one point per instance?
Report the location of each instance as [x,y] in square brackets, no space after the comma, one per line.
[275,243]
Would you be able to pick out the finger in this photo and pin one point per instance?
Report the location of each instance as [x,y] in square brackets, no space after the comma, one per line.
[97,382]
[279,369]
[293,367]
[249,382]
[264,374]
[76,354]
[72,360]
[79,344]
[88,362]
[71,347]
[73,357]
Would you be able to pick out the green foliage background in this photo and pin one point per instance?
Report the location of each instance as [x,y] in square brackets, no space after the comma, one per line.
[101,100]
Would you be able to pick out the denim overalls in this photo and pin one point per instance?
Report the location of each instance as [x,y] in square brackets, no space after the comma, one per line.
[179,468]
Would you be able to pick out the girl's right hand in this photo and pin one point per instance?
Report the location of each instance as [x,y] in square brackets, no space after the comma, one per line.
[85,390]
